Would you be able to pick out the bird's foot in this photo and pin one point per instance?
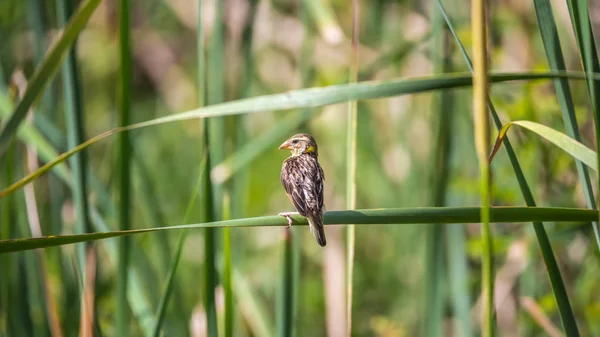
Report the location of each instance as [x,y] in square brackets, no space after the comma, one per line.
[287,215]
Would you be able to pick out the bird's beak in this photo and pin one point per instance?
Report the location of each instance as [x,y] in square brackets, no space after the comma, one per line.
[285,146]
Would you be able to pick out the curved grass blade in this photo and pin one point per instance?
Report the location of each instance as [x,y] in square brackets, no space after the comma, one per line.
[385,216]
[566,143]
[47,70]
[303,98]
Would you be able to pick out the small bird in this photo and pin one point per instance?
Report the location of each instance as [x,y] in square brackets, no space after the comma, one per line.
[302,178]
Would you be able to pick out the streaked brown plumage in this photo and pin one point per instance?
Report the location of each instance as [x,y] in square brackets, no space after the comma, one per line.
[302,178]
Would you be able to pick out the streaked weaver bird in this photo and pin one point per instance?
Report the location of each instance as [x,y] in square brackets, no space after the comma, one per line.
[302,178]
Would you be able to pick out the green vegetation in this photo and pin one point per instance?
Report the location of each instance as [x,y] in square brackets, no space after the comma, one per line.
[151,209]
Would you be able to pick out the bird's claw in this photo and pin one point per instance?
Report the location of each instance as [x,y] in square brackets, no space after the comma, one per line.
[288,217]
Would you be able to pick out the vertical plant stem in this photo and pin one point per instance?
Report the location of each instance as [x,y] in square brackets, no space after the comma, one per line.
[7,218]
[74,115]
[210,272]
[124,169]
[351,168]
[216,94]
[482,136]
[286,296]
[35,226]
[45,107]
[442,105]
[590,64]
[170,281]
[75,134]
[458,273]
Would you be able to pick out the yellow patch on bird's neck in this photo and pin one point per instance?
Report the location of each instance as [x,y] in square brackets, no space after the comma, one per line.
[310,149]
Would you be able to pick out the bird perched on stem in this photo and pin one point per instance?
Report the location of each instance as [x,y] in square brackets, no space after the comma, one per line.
[302,178]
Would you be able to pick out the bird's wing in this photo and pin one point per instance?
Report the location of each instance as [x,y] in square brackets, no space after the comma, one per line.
[303,183]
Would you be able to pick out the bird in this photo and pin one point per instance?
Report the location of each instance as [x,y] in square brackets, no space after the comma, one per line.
[302,178]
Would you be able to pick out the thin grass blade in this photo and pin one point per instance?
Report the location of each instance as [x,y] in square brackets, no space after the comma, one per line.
[303,98]
[442,108]
[47,70]
[169,282]
[122,310]
[555,59]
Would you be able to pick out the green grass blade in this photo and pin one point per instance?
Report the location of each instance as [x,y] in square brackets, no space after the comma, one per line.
[555,59]
[285,305]
[303,98]
[458,272]
[7,263]
[442,108]
[214,144]
[574,148]
[585,39]
[169,282]
[47,70]
[75,134]
[122,311]
[28,134]
[74,115]
[251,307]
[556,281]
[395,216]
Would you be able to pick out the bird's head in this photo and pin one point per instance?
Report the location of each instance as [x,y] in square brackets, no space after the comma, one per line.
[301,143]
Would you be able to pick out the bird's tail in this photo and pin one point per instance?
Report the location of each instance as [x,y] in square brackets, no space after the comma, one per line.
[318,231]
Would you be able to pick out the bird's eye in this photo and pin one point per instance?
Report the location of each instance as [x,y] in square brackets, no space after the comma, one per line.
[295,141]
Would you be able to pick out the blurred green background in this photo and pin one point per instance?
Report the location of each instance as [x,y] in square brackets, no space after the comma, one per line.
[413,151]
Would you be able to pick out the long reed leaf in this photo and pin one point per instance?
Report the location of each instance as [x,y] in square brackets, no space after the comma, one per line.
[302,98]
[360,217]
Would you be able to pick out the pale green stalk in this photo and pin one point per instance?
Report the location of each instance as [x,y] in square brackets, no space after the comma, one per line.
[482,139]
